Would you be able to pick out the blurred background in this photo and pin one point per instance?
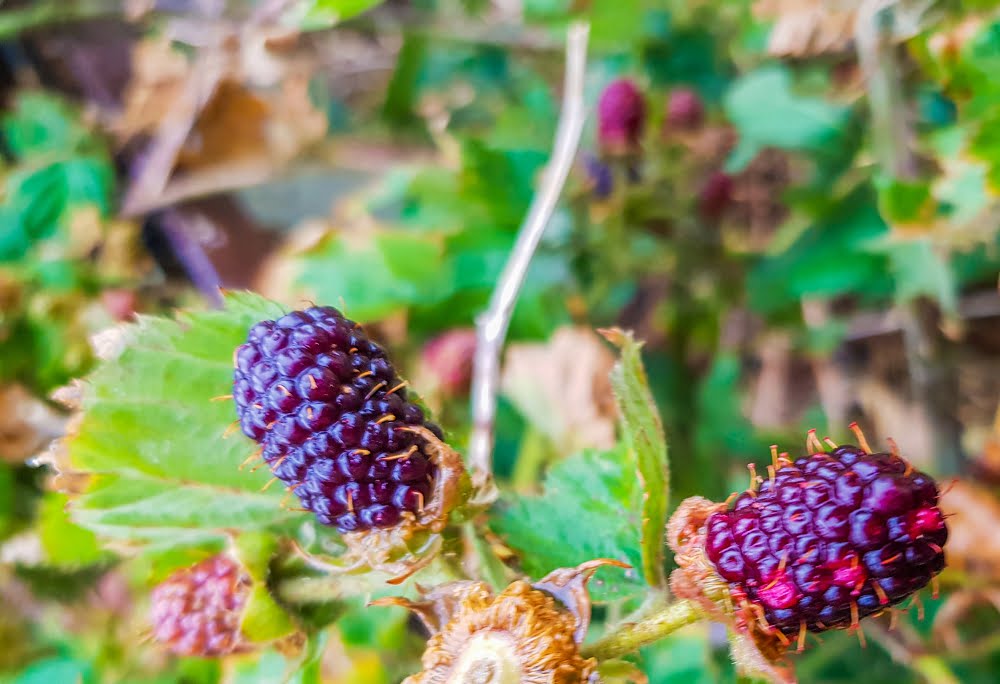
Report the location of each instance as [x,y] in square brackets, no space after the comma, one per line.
[803,224]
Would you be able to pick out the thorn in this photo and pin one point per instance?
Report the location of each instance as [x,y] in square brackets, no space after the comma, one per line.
[882,597]
[892,559]
[288,494]
[385,419]
[830,443]
[350,501]
[771,583]
[309,412]
[920,606]
[753,476]
[284,390]
[259,406]
[273,467]
[312,382]
[251,458]
[270,425]
[781,637]
[804,557]
[375,389]
[893,447]
[228,432]
[269,483]
[909,469]
[802,637]
[222,397]
[783,563]
[951,485]
[398,387]
[365,374]
[363,452]
[861,637]
[730,498]
[774,455]
[862,442]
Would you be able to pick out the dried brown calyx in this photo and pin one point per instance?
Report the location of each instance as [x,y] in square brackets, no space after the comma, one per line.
[527,634]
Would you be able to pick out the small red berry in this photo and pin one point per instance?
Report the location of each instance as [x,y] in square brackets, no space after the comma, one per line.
[685,110]
[716,196]
[449,359]
[621,116]
[197,611]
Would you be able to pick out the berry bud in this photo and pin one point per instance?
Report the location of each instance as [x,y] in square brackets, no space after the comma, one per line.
[685,111]
[197,611]
[716,196]
[621,115]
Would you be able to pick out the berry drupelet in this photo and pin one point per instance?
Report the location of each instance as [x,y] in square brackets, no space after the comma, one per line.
[197,611]
[333,419]
[828,539]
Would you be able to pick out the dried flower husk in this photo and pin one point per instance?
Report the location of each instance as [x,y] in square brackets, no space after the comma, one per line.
[527,634]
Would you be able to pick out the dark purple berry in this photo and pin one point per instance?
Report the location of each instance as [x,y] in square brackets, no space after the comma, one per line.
[830,539]
[327,406]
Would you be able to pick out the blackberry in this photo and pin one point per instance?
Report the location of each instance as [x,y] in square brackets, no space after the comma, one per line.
[197,611]
[715,196]
[332,418]
[621,115]
[685,111]
[829,539]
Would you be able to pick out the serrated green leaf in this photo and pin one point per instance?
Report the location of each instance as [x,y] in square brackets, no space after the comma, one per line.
[591,508]
[152,436]
[642,431]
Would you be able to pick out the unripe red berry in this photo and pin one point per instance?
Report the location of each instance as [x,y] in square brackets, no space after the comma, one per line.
[621,116]
[685,110]
[448,357]
[197,611]
[715,196]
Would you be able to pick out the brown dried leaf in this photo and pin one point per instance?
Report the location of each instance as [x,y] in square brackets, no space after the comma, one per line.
[808,28]
[563,386]
[569,587]
[26,423]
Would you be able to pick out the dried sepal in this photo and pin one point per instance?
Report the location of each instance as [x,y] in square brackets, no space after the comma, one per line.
[524,635]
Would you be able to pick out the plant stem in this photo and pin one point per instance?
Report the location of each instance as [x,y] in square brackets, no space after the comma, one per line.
[492,325]
[632,636]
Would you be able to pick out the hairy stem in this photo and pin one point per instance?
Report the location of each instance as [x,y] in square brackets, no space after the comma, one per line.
[491,326]
[632,636]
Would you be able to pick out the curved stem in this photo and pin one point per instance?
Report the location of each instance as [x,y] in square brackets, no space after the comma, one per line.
[632,636]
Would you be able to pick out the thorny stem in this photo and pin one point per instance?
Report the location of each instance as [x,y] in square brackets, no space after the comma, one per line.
[492,325]
[632,636]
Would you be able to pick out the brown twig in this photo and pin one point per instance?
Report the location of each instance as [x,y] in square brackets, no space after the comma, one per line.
[492,325]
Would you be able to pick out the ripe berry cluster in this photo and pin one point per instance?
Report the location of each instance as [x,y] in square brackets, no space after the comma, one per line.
[197,610]
[332,418]
[829,539]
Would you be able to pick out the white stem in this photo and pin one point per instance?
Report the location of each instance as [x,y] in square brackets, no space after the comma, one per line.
[492,324]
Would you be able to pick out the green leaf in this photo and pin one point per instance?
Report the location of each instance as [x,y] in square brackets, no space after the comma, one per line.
[902,201]
[65,544]
[919,270]
[767,113]
[263,619]
[642,431]
[378,277]
[42,124]
[591,508]
[312,15]
[152,437]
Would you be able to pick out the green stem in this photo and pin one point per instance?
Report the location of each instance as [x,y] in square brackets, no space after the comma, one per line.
[632,636]
[934,670]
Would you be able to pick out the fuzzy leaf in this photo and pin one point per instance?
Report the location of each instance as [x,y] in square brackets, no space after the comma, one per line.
[153,438]
[642,431]
[591,508]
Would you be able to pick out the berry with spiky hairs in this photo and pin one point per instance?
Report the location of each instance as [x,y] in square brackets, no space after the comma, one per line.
[334,421]
[828,539]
